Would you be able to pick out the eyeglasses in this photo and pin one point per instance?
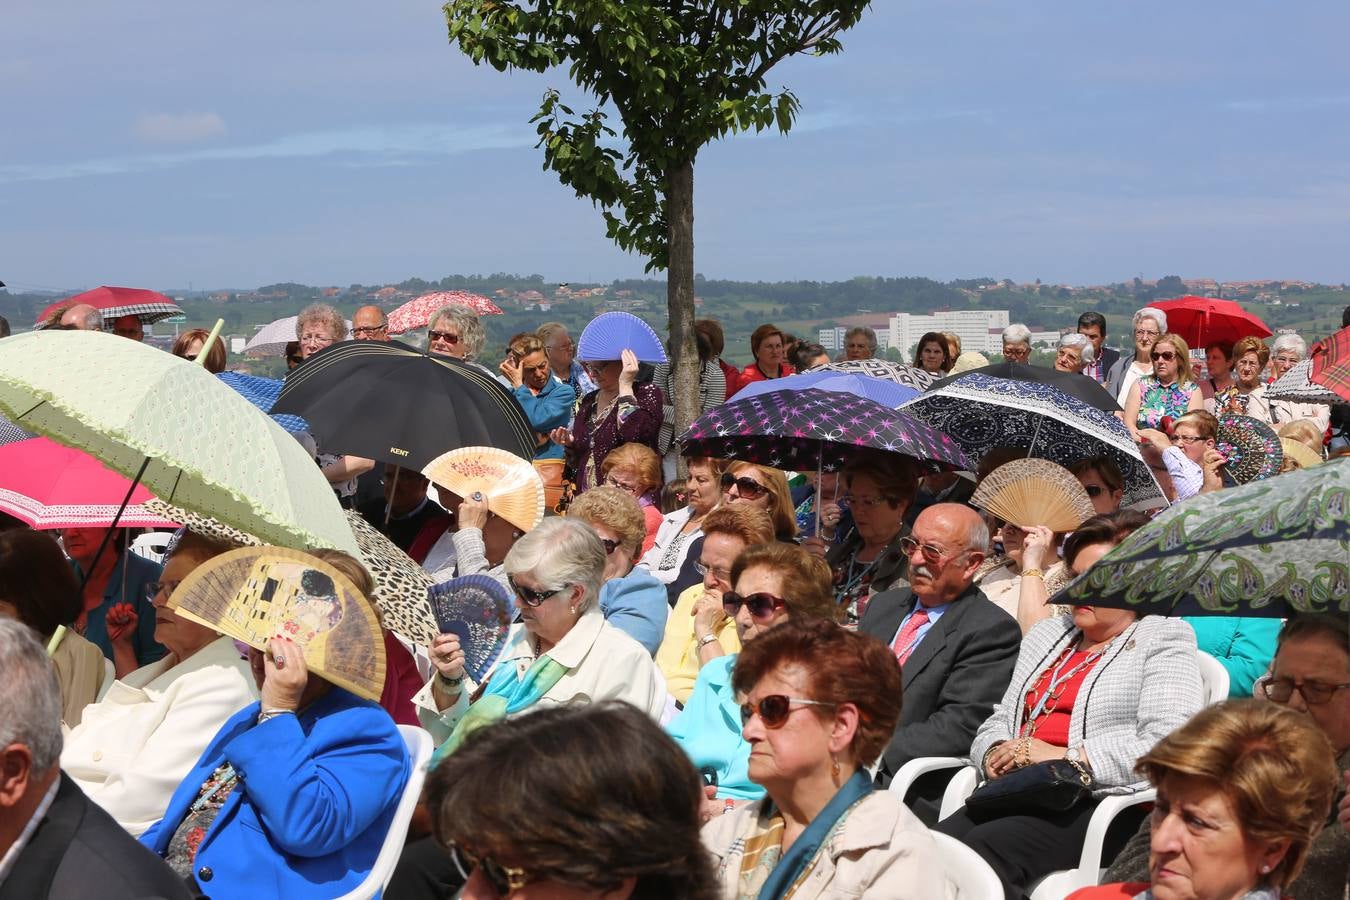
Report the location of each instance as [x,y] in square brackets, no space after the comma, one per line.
[931,554]
[610,546]
[532,597]
[153,589]
[748,488]
[719,574]
[624,486]
[316,339]
[1187,439]
[1144,332]
[1314,693]
[565,348]
[1167,355]
[504,880]
[368,330]
[774,709]
[850,500]
[762,605]
[448,337]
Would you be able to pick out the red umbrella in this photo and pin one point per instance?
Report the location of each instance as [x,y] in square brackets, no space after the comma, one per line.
[417,313]
[115,302]
[49,485]
[1203,320]
[1331,363]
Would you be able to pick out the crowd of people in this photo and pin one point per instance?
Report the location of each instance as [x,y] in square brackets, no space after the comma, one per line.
[718,672]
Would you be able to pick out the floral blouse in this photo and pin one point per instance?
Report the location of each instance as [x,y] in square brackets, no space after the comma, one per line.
[1158,401]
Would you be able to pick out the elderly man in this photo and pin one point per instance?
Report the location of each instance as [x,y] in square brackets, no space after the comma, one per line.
[1017,343]
[129,327]
[414,521]
[562,362]
[1092,325]
[77,317]
[860,343]
[54,841]
[369,324]
[956,648]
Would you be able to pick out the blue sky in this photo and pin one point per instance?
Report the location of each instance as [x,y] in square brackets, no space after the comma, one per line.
[157,144]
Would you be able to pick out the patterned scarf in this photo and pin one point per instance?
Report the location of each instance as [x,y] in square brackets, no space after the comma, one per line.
[506,694]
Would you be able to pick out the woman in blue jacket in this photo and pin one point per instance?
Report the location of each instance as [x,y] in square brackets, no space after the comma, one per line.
[294,795]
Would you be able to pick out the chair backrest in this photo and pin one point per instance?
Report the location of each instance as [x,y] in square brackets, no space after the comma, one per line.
[109,676]
[1214,679]
[967,870]
[419,752]
[152,546]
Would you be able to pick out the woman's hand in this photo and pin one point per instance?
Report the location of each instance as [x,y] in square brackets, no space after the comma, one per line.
[708,614]
[447,656]
[1038,545]
[1017,753]
[628,374]
[711,807]
[473,512]
[815,546]
[1212,462]
[121,620]
[510,369]
[561,436]
[284,675]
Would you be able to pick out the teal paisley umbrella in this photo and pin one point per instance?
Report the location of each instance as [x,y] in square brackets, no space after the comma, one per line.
[1269,548]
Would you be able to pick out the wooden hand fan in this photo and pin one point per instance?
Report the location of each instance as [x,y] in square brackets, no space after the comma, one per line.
[511,485]
[256,593]
[1029,492]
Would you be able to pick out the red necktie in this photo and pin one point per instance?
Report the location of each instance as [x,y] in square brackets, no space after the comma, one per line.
[905,640]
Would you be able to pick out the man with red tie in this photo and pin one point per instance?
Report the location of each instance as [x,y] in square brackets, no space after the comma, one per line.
[956,648]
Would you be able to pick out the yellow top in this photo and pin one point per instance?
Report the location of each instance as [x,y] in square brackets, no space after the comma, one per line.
[677,657]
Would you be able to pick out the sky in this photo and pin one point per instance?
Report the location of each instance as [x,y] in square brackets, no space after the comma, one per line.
[164,145]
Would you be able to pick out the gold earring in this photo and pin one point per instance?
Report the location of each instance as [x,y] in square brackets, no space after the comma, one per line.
[834,769]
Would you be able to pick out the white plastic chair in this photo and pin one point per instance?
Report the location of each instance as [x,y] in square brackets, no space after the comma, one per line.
[109,676]
[966,870]
[1214,678]
[911,771]
[419,751]
[152,546]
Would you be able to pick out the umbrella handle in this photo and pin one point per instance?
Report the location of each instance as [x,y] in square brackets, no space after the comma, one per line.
[55,642]
[210,339]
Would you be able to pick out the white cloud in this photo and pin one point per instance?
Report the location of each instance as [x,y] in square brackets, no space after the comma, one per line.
[186,128]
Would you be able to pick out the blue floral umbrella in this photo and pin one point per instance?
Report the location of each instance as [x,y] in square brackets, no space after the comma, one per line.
[981,412]
[263,393]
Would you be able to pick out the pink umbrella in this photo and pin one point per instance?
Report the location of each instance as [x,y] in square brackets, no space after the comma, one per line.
[49,485]
[114,302]
[417,313]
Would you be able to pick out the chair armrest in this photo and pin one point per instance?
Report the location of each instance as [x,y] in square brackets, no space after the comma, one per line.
[958,789]
[1102,817]
[911,770]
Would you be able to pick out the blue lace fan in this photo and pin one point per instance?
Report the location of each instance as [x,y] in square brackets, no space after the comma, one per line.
[609,334]
[477,609]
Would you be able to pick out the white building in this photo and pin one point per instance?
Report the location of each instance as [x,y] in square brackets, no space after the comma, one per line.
[979,329]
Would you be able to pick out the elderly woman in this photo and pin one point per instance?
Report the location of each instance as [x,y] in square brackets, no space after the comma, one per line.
[1247,395]
[1149,325]
[764,488]
[631,599]
[132,748]
[1311,675]
[546,400]
[933,354]
[478,541]
[636,470]
[774,583]
[562,650]
[1074,353]
[860,342]
[878,492]
[529,806]
[189,344]
[116,615]
[1169,393]
[1017,343]
[770,352]
[293,796]
[699,629]
[818,703]
[318,326]
[455,330]
[1244,788]
[618,411]
[712,391]
[1098,688]
[38,588]
[681,530]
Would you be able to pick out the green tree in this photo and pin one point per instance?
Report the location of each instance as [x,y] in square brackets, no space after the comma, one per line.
[678,75]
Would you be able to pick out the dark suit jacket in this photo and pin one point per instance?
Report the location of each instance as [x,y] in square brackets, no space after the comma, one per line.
[952,680]
[79,851]
[1110,356]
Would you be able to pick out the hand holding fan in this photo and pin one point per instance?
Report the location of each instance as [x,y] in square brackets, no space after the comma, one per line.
[478,610]
[1033,491]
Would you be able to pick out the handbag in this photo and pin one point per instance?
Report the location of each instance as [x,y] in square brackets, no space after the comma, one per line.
[1053,786]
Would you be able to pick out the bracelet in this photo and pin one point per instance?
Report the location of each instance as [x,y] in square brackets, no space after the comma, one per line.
[449,682]
[264,715]
[727,805]
[1033,573]
[706,640]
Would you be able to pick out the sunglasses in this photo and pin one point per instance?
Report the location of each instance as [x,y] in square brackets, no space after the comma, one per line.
[1093,490]
[761,605]
[774,709]
[1167,355]
[610,546]
[504,880]
[448,336]
[748,488]
[531,597]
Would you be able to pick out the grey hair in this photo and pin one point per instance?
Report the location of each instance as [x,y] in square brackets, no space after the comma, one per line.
[466,322]
[978,538]
[865,332]
[1017,333]
[1085,349]
[561,551]
[321,312]
[30,702]
[1290,342]
[1152,312]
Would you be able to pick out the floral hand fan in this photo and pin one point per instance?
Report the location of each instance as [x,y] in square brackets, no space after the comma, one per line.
[478,610]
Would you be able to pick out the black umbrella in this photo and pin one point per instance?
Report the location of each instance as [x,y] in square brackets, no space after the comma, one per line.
[1071,383]
[395,403]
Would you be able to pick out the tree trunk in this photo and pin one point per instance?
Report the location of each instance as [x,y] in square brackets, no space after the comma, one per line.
[680,297]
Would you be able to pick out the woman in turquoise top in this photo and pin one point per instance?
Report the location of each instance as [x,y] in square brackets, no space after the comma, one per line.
[1169,392]
[773,583]
[117,617]
[1245,647]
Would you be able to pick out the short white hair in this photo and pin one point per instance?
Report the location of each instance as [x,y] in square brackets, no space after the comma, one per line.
[1087,353]
[1152,312]
[30,702]
[560,551]
[1290,342]
[1017,333]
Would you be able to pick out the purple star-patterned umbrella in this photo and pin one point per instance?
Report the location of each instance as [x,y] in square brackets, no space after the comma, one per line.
[812,429]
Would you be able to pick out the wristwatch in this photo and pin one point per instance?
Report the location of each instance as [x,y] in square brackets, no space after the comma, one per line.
[1073,754]
[706,640]
[449,682]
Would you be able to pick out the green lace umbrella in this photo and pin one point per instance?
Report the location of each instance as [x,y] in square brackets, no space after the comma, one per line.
[189,438]
[1269,548]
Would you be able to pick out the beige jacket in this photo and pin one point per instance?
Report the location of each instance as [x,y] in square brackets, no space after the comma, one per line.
[882,852]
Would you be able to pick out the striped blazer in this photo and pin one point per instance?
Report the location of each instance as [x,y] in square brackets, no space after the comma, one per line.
[1146,686]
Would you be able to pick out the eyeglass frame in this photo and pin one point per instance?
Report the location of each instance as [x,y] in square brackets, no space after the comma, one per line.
[729,481]
[703,570]
[360,330]
[848,501]
[1164,355]
[1317,686]
[532,597]
[450,337]
[153,588]
[908,545]
[750,710]
[504,880]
